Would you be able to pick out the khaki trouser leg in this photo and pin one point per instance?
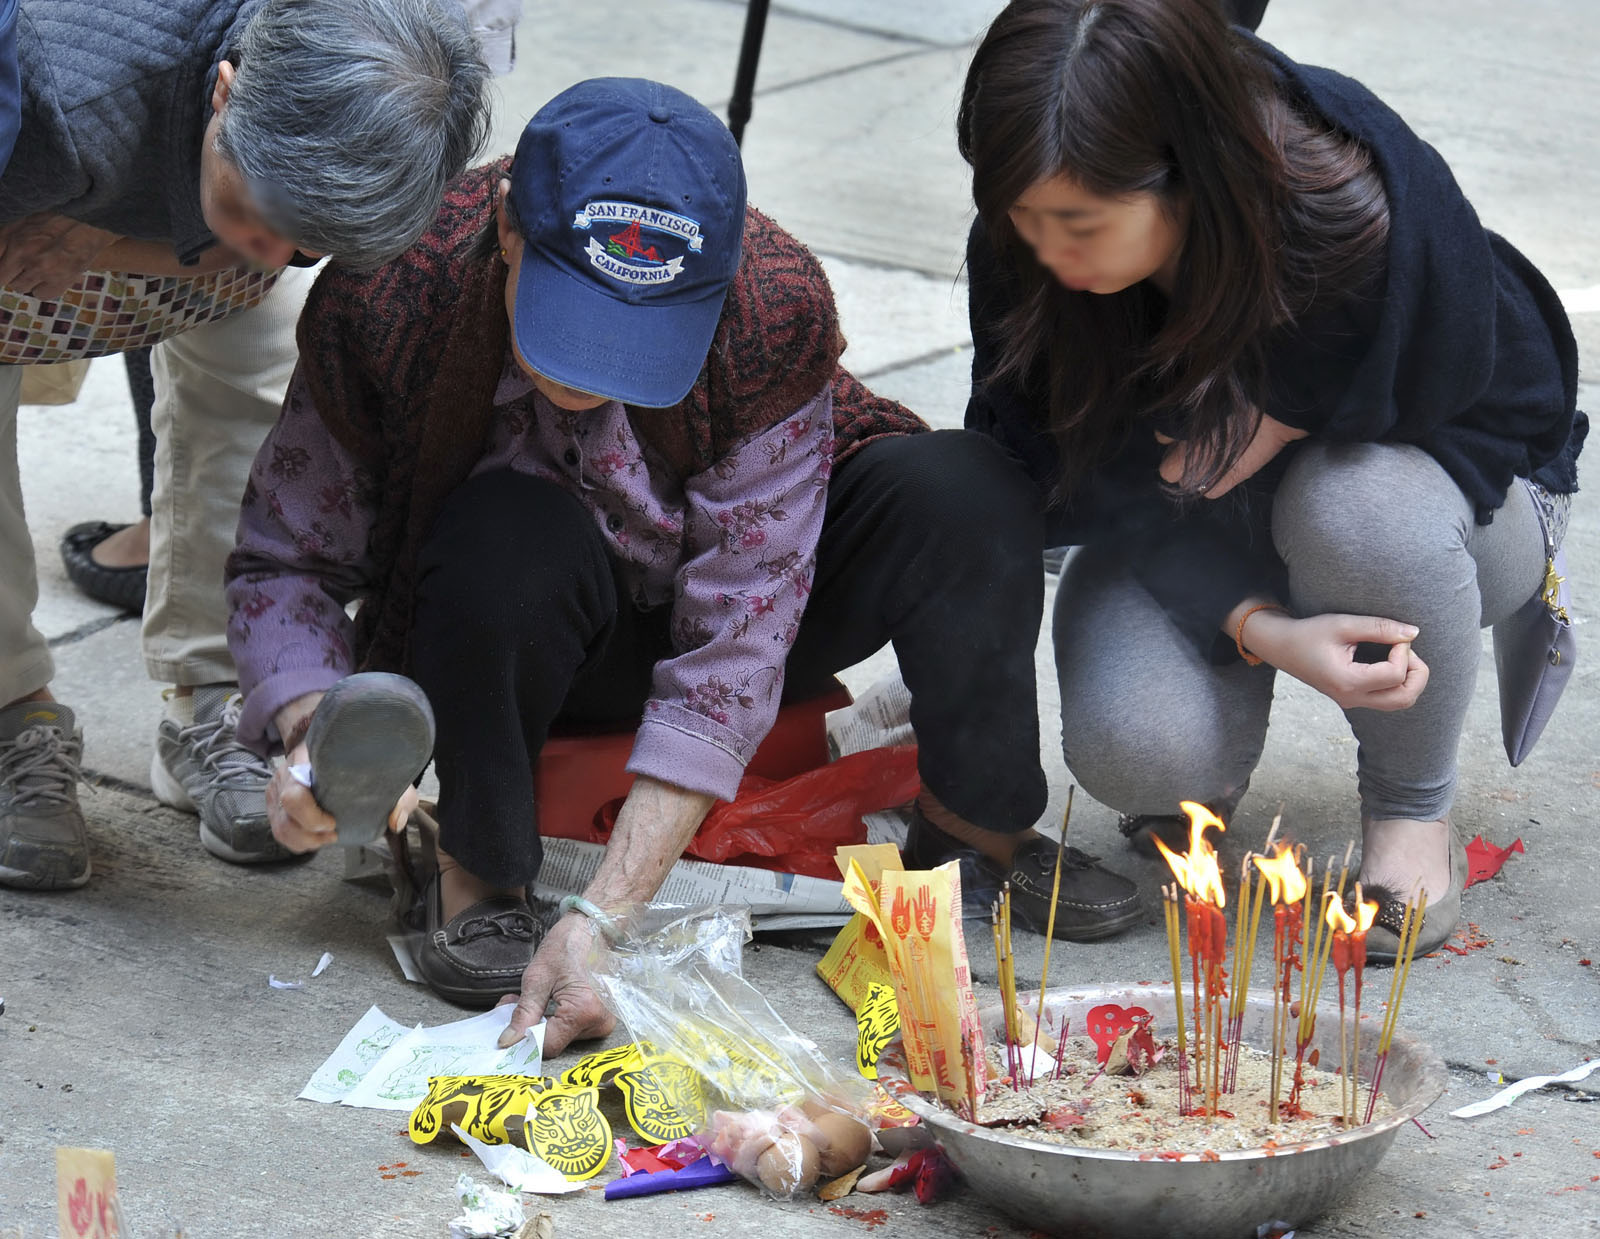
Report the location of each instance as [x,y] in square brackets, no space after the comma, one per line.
[25,662]
[218,391]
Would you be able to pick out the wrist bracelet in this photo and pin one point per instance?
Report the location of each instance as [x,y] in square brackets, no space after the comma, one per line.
[1250,659]
[606,922]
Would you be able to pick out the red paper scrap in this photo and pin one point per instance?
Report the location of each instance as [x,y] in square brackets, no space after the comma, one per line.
[640,1161]
[1484,859]
[1109,1021]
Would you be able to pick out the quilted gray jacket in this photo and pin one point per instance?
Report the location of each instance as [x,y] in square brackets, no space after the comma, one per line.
[115,98]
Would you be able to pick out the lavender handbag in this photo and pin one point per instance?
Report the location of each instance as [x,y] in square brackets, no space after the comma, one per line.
[1536,649]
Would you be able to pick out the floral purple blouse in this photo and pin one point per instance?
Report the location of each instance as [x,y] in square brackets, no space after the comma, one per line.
[731,550]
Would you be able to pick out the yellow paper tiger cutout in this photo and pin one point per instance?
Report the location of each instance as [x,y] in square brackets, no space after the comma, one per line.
[665,1099]
[566,1128]
[480,1105]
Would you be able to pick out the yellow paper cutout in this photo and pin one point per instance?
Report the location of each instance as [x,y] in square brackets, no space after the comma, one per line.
[873,858]
[856,959]
[665,1099]
[741,1071]
[566,1128]
[593,1070]
[86,1193]
[479,1104]
[921,914]
[876,1024]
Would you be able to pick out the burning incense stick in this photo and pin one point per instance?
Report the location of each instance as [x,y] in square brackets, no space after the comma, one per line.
[1410,928]
[1244,959]
[1169,908]
[969,1064]
[1340,927]
[1001,966]
[1200,876]
[1288,886]
[1049,934]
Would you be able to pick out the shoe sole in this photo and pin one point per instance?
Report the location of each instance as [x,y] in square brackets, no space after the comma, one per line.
[168,790]
[466,997]
[371,735]
[22,879]
[1093,933]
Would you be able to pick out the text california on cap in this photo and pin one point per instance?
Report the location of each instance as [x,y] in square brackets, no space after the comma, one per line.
[630,196]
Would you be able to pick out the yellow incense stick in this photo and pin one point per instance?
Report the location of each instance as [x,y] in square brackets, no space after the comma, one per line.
[1169,901]
[1050,933]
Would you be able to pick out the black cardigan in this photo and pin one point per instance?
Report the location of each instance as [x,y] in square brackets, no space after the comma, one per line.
[1465,352]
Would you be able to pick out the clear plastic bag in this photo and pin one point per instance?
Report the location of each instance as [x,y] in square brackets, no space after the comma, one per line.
[760,1098]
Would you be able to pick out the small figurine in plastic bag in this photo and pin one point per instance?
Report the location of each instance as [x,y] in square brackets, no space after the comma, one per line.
[761,1099]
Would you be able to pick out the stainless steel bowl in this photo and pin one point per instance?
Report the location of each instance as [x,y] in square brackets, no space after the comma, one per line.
[1115,1194]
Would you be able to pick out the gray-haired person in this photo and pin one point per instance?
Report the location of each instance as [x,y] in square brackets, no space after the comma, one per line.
[178,139]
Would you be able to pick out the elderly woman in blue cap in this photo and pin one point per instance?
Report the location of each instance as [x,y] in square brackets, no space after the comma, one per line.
[586,452]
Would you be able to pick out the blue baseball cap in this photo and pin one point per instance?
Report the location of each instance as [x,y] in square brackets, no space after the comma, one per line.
[630,196]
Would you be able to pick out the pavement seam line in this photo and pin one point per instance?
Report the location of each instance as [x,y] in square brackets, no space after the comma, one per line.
[921,359]
[84,631]
[819,19]
[828,75]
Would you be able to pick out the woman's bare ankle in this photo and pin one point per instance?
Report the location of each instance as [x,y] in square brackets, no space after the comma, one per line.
[992,844]
[459,889]
[1400,853]
[127,548]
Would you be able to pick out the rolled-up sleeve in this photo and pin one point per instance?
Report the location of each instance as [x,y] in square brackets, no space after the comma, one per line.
[753,521]
[300,557]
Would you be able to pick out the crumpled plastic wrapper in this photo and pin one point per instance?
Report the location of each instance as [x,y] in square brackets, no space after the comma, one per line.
[766,1102]
[487,1211]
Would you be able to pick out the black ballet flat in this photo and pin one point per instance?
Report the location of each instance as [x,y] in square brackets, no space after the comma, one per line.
[121,587]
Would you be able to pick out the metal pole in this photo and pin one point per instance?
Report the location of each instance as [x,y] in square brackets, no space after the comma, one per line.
[744,77]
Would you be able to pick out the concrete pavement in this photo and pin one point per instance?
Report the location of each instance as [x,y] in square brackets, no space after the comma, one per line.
[138,1015]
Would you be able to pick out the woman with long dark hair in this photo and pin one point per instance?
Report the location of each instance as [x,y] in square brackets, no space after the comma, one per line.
[1297,407]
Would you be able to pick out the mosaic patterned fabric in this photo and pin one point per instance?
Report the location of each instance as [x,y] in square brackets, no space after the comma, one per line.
[110,313]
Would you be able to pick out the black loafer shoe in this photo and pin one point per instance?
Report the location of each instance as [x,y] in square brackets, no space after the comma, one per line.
[1093,902]
[121,587]
[1142,829]
[477,957]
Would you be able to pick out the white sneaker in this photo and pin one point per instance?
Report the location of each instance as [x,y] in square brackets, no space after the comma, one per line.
[200,767]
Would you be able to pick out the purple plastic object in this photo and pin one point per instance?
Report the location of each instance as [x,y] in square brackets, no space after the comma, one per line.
[703,1173]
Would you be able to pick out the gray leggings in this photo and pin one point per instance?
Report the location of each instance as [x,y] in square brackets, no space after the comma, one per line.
[1365,529]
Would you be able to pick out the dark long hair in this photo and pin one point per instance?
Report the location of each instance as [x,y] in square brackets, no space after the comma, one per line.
[1279,214]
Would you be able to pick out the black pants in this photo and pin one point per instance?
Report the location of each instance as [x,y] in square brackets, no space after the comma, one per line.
[929,541]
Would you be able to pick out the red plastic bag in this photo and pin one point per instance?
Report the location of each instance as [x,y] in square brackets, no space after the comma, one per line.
[794,825]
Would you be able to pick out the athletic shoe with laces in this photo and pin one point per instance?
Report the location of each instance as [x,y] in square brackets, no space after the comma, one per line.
[200,767]
[44,844]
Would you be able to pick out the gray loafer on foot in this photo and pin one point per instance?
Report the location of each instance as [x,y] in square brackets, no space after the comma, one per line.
[371,735]
[1439,918]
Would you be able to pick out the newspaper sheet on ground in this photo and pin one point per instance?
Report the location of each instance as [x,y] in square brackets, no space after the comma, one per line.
[879,718]
[776,900]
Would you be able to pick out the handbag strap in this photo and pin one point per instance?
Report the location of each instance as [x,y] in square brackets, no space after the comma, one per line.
[1554,511]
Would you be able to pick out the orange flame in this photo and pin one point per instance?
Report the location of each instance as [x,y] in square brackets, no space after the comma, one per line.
[1285,882]
[1366,913]
[1338,919]
[1198,871]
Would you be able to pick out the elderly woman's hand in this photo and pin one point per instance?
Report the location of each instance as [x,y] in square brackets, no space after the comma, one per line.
[298,821]
[44,255]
